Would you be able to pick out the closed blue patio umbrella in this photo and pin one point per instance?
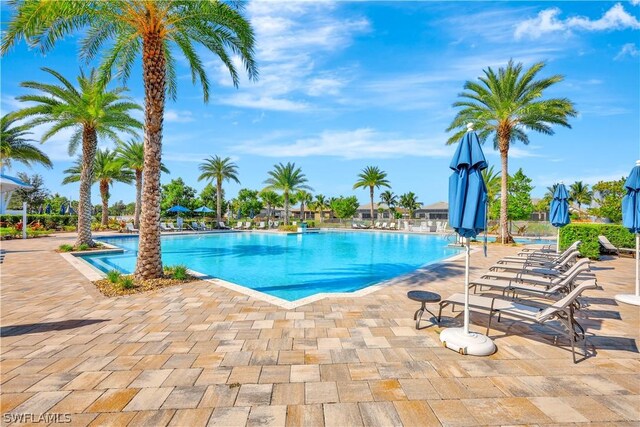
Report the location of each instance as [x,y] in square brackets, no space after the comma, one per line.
[631,220]
[63,209]
[47,209]
[467,216]
[559,210]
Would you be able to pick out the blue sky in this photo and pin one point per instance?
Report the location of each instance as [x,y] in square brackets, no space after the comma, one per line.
[347,85]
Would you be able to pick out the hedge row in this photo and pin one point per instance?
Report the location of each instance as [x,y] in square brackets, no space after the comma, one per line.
[588,233]
[48,221]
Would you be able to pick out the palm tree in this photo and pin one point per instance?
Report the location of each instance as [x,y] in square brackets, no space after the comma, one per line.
[131,156]
[153,29]
[410,202]
[388,198]
[288,179]
[580,194]
[492,182]
[92,112]
[271,199]
[304,198]
[320,204]
[15,147]
[219,169]
[371,177]
[506,104]
[107,170]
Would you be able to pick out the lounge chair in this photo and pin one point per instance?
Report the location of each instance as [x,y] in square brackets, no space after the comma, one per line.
[557,266]
[562,310]
[423,226]
[163,227]
[195,226]
[385,226]
[276,224]
[129,228]
[392,226]
[247,225]
[238,225]
[606,247]
[262,225]
[204,227]
[523,256]
[171,227]
[294,222]
[222,225]
[540,279]
[377,225]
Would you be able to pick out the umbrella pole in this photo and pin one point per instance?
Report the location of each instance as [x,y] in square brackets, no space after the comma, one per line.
[638,265]
[558,242]
[466,287]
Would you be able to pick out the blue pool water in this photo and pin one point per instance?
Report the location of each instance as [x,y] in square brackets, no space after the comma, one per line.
[290,266]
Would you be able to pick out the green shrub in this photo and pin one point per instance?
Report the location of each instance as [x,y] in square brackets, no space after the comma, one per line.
[113,276]
[179,272]
[288,228]
[69,228]
[48,221]
[65,248]
[126,282]
[588,233]
[83,247]
[311,224]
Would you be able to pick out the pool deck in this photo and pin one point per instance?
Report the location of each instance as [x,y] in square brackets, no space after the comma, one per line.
[202,354]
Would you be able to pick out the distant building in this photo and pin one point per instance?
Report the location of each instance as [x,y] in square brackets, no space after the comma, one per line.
[438,210]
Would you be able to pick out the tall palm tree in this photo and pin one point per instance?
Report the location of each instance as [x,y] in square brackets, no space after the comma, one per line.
[272,200]
[371,177]
[288,179]
[92,112]
[219,169]
[580,194]
[131,156]
[410,202]
[14,146]
[492,182]
[107,170]
[319,205]
[152,29]
[506,104]
[388,198]
[304,198]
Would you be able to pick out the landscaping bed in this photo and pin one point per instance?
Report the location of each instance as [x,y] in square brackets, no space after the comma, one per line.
[117,284]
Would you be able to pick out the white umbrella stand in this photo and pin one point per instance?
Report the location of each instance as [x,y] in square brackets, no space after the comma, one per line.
[461,339]
[630,298]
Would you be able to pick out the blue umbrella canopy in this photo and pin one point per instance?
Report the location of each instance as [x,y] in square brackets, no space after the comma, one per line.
[178,208]
[467,191]
[203,209]
[63,209]
[251,214]
[559,207]
[47,209]
[631,201]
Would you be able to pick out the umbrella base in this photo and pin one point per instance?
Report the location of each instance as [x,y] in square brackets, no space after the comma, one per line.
[628,299]
[472,343]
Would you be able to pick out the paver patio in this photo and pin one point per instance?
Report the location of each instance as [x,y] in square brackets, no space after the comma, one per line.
[200,354]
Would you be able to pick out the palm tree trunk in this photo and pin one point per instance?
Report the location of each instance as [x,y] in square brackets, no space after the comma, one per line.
[149,262]
[136,216]
[104,195]
[286,208]
[219,201]
[302,211]
[504,236]
[85,208]
[371,194]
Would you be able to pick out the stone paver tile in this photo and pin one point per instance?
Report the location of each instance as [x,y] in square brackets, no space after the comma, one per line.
[184,397]
[236,358]
[274,415]
[592,409]
[148,399]
[219,395]
[488,411]
[21,382]
[182,377]
[627,406]
[154,361]
[74,420]
[363,371]
[76,401]
[481,387]
[151,378]
[94,363]
[208,361]
[450,388]
[214,376]
[416,413]
[376,342]
[229,417]
[275,374]
[557,410]
[379,414]
[290,357]
[329,343]
[152,418]
[180,361]
[512,386]
[288,394]
[305,373]
[342,414]
[40,402]
[112,400]
[244,375]
[334,372]
[600,385]
[87,380]
[418,389]
[452,413]
[305,415]
[113,420]
[52,382]
[123,363]
[387,390]
[11,400]
[320,392]
[191,417]
[354,391]
[317,357]
[521,411]
[254,394]
[118,379]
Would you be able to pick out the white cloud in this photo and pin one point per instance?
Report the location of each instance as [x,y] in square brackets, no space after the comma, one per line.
[178,116]
[364,143]
[635,2]
[628,49]
[548,21]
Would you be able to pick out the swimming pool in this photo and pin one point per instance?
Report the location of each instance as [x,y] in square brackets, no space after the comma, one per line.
[289,266]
